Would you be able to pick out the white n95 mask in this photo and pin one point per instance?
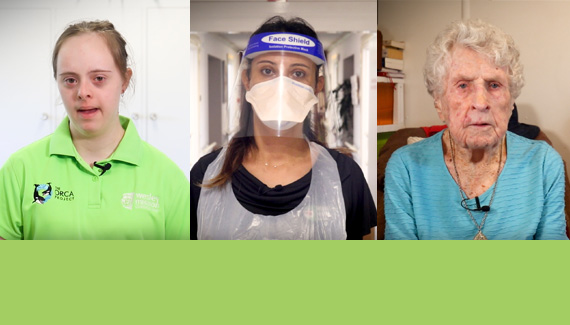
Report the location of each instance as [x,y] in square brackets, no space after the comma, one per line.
[282,102]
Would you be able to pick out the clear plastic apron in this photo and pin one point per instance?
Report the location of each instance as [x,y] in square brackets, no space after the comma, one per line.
[321,214]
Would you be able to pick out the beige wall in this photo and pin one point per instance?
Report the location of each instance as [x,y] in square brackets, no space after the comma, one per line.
[541,29]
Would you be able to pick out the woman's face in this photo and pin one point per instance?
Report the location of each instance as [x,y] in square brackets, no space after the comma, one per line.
[90,84]
[271,65]
[476,103]
[268,66]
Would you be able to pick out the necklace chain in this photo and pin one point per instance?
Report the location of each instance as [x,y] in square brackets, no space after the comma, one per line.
[464,197]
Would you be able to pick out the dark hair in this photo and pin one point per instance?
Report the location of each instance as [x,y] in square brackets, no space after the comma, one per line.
[105,29]
[243,142]
[279,24]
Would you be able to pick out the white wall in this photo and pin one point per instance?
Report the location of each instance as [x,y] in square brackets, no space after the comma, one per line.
[541,29]
[157,33]
[247,15]
[208,44]
[353,44]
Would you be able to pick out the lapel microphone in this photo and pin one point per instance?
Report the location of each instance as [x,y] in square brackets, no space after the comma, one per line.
[484,208]
[104,168]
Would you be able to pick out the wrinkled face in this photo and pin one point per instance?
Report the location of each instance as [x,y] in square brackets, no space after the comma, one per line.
[476,103]
[271,65]
[90,84]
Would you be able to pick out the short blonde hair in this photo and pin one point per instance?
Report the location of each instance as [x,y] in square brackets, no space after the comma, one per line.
[481,37]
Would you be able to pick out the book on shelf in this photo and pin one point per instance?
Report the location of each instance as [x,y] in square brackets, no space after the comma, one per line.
[391,74]
[393,63]
[389,70]
[392,53]
[396,44]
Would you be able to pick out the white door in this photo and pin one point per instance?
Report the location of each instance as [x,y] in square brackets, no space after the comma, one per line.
[26,113]
[168,83]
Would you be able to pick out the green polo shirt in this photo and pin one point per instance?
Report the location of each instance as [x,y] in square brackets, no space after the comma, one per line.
[47,191]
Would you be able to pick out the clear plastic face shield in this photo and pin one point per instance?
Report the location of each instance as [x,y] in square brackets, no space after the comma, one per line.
[278,84]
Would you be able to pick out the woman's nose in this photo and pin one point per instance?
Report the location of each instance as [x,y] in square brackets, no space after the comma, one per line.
[480,98]
[83,91]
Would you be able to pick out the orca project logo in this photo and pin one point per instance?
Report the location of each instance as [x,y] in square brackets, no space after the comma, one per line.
[44,192]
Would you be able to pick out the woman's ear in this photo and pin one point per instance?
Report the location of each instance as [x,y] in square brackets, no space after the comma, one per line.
[127,80]
[320,84]
[245,80]
[439,109]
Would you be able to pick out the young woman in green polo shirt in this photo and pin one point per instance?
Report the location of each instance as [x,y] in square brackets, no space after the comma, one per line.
[93,178]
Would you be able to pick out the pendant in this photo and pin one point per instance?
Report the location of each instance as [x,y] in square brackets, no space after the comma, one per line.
[480,236]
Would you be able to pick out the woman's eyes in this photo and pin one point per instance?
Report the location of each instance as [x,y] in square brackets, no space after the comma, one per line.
[492,85]
[299,74]
[296,74]
[70,81]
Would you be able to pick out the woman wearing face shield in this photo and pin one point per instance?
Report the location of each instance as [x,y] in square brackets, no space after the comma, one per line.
[274,180]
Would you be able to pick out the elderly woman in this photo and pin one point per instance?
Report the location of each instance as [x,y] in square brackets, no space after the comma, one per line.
[474,180]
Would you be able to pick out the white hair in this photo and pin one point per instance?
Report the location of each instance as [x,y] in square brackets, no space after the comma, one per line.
[481,37]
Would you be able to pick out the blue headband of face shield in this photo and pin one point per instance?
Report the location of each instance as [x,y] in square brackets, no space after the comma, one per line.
[290,42]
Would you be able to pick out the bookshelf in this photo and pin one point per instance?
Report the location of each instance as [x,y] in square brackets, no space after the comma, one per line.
[397,120]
